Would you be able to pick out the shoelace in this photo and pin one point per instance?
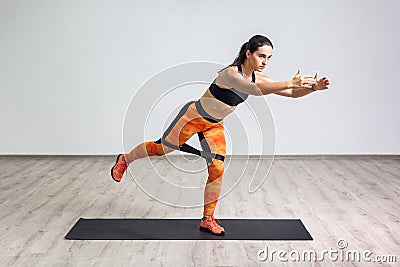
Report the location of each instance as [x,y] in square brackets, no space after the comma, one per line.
[213,222]
[121,166]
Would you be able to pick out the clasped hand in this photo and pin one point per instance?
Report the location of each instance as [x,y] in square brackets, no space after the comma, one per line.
[310,81]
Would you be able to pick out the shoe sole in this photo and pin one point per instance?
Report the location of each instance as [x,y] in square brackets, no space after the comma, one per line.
[203,229]
[112,169]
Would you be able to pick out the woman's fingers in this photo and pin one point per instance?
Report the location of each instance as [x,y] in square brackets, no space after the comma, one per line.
[309,81]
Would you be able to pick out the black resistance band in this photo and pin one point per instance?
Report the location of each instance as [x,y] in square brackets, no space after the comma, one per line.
[206,153]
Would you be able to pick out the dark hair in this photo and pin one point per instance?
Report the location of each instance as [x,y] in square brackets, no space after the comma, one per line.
[253,44]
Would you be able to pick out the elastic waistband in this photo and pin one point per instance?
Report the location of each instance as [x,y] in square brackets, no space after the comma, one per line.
[204,114]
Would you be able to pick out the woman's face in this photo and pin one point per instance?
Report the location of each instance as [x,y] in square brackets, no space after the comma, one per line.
[259,59]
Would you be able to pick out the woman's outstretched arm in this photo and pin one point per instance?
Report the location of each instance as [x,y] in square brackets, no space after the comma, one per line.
[298,83]
[264,85]
[320,84]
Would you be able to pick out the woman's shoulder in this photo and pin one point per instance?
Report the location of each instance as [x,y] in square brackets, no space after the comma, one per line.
[228,70]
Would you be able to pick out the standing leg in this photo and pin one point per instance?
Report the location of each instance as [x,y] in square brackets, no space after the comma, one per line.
[215,142]
[215,139]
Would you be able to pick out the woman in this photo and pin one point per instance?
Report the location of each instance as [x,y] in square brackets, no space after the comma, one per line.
[205,117]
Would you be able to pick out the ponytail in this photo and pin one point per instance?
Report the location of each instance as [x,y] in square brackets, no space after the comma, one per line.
[253,44]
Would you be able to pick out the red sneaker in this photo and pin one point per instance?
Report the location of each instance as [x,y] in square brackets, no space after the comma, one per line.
[119,169]
[211,225]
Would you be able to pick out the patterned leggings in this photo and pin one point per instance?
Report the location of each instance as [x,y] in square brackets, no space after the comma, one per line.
[212,139]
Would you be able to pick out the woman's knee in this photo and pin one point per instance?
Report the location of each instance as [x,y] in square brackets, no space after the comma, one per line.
[166,149]
[157,149]
[216,169]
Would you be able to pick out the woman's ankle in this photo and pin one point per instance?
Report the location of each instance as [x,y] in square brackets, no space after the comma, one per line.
[205,217]
[125,159]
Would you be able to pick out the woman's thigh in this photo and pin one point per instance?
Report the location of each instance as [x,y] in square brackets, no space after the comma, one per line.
[215,138]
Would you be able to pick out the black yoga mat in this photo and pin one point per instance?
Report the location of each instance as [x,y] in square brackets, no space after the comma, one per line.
[186,229]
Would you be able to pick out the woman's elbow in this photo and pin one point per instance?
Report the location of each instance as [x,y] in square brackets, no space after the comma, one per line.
[287,93]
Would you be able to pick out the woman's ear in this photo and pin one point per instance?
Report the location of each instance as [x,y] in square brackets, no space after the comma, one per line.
[248,53]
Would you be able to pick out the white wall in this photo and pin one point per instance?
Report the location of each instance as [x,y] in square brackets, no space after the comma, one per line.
[68,69]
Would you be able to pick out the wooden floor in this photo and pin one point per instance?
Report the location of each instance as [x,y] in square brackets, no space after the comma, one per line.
[350,198]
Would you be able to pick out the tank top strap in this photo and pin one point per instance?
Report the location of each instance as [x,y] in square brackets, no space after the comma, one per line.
[240,69]
[253,76]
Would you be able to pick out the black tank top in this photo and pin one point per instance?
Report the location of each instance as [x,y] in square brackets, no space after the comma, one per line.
[231,97]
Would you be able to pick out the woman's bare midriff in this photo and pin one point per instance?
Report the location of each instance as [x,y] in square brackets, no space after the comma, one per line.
[214,107]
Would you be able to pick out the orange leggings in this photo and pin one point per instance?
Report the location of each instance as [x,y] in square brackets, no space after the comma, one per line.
[186,125]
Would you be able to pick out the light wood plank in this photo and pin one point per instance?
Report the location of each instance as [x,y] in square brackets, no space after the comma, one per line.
[41,197]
